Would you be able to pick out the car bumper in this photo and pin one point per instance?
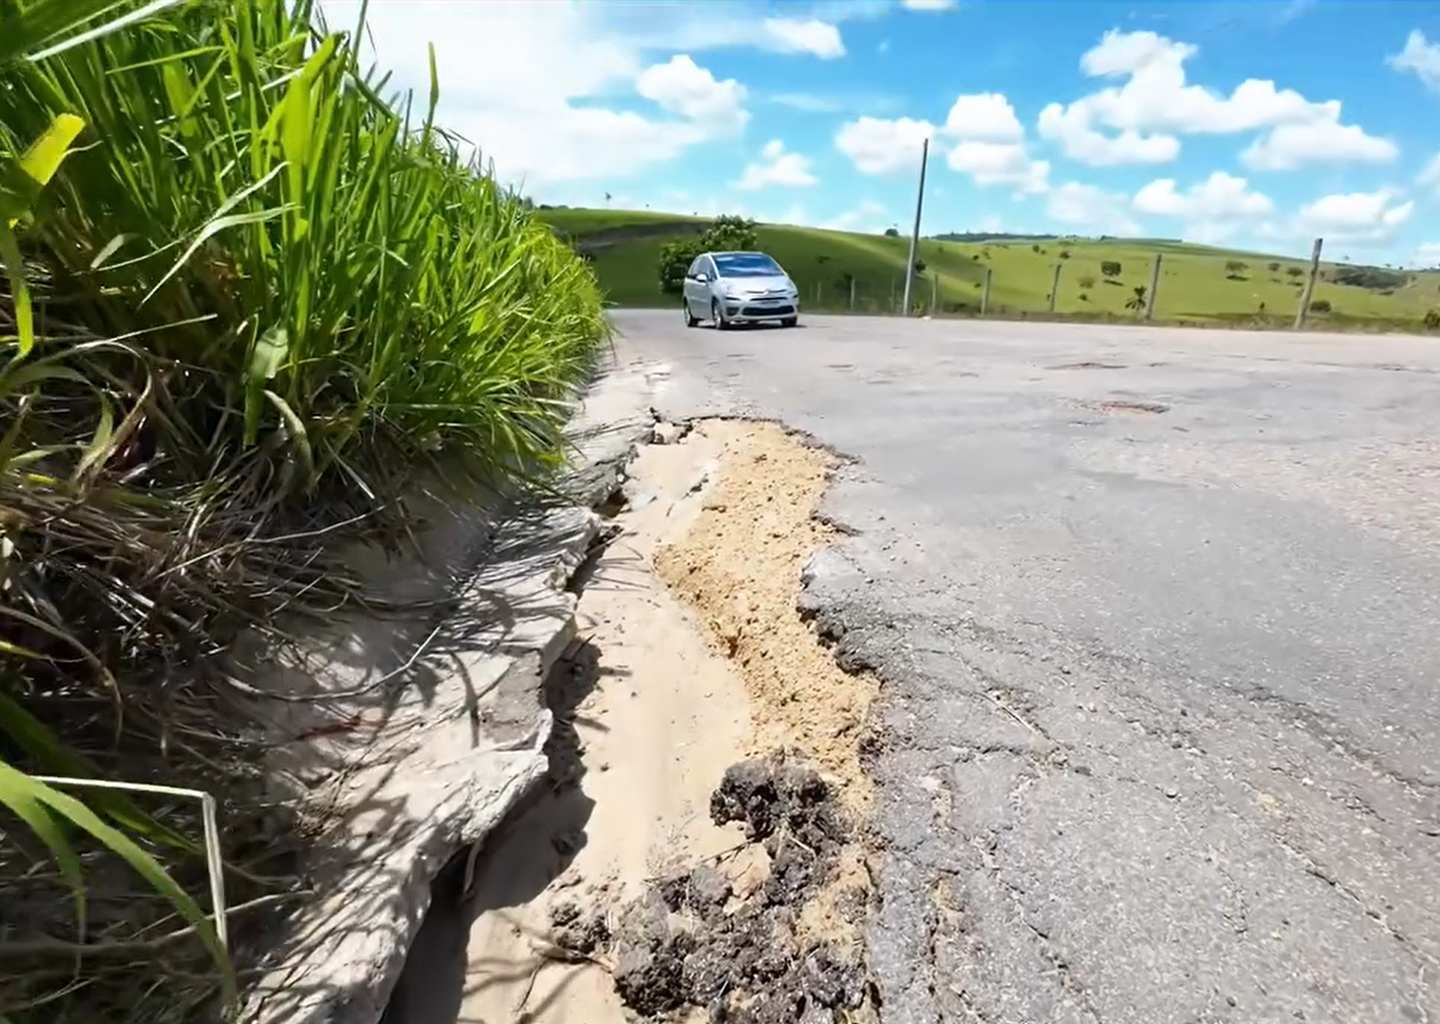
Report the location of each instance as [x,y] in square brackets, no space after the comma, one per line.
[740,311]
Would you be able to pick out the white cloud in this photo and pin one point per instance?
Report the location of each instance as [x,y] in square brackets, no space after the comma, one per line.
[879,146]
[1140,122]
[1092,207]
[776,167]
[1212,211]
[1427,255]
[990,144]
[1419,56]
[1430,176]
[1071,128]
[1355,216]
[928,5]
[810,35]
[984,117]
[544,121]
[1288,146]
[869,216]
[999,163]
[682,87]
[1219,197]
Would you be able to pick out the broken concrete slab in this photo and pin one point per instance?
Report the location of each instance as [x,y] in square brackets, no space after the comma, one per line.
[431,724]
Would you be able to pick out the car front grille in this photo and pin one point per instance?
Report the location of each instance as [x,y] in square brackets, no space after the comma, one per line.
[783,309]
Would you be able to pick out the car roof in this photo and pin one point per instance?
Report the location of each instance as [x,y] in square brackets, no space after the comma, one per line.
[740,252]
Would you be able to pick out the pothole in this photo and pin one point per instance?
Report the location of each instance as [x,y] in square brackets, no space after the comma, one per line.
[699,855]
[1124,406]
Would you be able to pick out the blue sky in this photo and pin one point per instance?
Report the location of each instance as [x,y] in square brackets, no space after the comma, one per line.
[1256,124]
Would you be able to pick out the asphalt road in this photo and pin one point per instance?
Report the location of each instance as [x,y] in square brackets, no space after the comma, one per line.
[1156,615]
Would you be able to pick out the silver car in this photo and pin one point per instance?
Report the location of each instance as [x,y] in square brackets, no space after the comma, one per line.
[739,288]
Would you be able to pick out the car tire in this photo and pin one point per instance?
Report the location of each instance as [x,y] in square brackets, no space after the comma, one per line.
[690,320]
[789,321]
[716,318]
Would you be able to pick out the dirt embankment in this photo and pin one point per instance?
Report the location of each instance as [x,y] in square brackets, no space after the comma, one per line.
[701,853]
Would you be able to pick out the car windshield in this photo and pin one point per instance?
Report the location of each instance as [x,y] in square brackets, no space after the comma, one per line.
[746,264]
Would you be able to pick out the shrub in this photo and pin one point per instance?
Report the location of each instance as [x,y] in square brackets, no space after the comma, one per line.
[1432,320]
[725,234]
[1294,271]
[1087,281]
[1273,266]
[1320,306]
[1110,268]
[1373,278]
[1064,254]
[269,301]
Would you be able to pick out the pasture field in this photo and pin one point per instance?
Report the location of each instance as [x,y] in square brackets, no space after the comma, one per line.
[1198,284]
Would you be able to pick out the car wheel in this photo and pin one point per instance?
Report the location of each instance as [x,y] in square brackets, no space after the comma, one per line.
[690,320]
[715,317]
[789,321]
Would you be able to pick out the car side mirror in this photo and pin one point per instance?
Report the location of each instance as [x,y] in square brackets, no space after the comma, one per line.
[702,278]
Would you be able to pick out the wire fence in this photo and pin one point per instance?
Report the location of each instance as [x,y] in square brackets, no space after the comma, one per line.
[1281,293]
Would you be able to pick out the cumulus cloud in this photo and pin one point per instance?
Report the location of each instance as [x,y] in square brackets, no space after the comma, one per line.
[989,144]
[810,35]
[928,5]
[1091,207]
[1211,210]
[776,167]
[1420,57]
[1427,254]
[868,216]
[1430,176]
[1141,121]
[881,146]
[1355,216]
[499,79]
[981,136]
[682,87]
[1288,146]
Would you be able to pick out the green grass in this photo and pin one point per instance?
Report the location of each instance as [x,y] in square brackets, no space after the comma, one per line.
[1194,284]
[267,300]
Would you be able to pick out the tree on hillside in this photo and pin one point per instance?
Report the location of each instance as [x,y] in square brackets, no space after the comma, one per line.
[1274,266]
[1110,268]
[725,234]
[1294,271]
[607,198]
[1136,302]
[892,232]
[1235,269]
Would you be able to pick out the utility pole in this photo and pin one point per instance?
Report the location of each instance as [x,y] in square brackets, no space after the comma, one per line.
[915,234]
[1309,284]
[1154,287]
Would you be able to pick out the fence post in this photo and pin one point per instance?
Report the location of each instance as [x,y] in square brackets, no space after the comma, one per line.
[892,293]
[1309,284]
[934,291]
[985,294]
[1154,287]
[852,293]
[817,294]
[1054,287]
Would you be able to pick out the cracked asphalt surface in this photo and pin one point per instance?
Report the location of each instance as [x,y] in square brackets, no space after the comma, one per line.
[1155,614]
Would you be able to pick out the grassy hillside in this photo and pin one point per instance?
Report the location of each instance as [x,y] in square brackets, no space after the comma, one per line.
[1197,283]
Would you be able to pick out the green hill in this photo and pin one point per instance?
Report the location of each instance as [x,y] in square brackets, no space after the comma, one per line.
[1197,284]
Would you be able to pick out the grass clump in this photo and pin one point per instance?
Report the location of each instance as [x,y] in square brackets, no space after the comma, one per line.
[266,296]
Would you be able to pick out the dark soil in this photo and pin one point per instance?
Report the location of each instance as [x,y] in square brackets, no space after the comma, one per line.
[690,942]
